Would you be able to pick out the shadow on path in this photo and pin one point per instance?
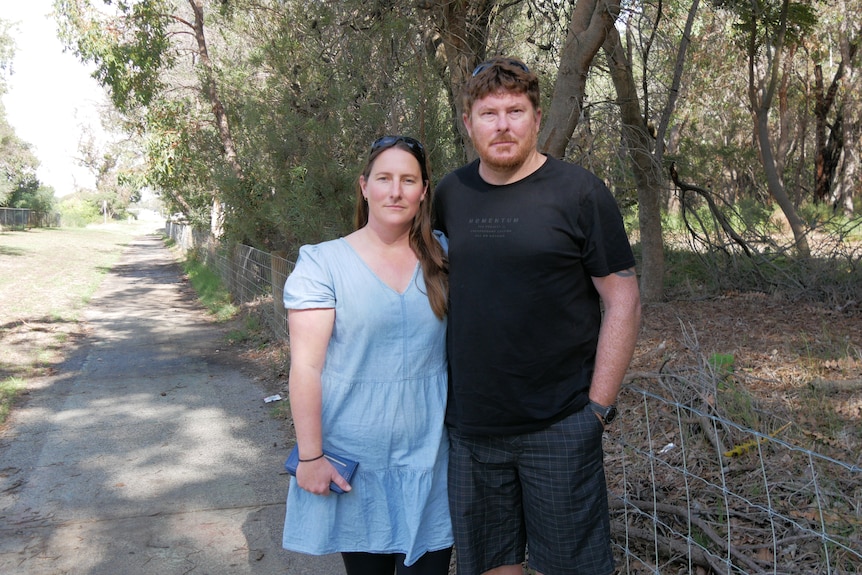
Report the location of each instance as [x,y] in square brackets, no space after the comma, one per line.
[148,452]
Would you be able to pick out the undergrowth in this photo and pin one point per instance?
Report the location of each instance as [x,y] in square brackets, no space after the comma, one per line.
[211,292]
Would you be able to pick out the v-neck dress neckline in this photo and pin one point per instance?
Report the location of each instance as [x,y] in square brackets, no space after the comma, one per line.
[372,272]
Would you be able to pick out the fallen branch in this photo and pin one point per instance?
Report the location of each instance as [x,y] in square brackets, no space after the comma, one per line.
[834,386]
[713,208]
[685,516]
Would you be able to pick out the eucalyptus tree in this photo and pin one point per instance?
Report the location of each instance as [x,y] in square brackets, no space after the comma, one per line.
[835,54]
[135,47]
[18,165]
[645,115]
[583,29]
[7,53]
[766,30]
[319,83]
[115,165]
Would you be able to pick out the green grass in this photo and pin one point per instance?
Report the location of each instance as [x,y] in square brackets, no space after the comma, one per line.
[211,293]
[9,390]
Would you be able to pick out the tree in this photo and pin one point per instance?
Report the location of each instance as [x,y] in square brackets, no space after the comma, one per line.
[463,28]
[827,150]
[7,54]
[767,29]
[133,51]
[17,163]
[588,28]
[118,182]
[837,156]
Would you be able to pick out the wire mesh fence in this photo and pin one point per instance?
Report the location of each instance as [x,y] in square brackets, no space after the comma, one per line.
[702,478]
[22,218]
[693,491]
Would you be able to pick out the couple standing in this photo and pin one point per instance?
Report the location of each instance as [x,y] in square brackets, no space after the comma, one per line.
[533,272]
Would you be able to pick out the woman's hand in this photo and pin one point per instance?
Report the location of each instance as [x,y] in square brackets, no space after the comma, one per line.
[315,476]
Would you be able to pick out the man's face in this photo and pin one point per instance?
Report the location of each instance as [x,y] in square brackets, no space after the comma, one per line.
[504,128]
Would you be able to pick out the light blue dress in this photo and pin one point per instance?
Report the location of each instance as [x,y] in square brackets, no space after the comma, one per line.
[384,397]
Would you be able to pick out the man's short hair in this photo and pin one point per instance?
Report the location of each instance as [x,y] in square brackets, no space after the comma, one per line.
[501,74]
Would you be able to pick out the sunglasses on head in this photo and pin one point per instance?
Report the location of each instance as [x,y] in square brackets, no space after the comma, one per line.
[416,147]
[485,65]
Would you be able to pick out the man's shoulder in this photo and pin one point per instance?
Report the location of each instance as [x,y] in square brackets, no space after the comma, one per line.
[569,168]
[459,175]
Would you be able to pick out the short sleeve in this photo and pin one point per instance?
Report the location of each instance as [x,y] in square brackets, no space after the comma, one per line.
[608,249]
[310,284]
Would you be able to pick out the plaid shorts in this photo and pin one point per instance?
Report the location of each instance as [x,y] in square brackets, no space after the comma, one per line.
[544,491]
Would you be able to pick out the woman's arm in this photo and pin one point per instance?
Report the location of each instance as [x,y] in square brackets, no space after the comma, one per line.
[310,331]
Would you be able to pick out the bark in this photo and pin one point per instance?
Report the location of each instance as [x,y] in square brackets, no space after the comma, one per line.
[590,24]
[463,27]
[646,160]
[647,171]
[825,156]
[849,169]
[679,65]
[210,90]
[761,92]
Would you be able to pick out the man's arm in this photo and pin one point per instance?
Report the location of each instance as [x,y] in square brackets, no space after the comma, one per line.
[618,334]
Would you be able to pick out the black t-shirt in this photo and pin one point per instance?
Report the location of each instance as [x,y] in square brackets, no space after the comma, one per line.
[524,315]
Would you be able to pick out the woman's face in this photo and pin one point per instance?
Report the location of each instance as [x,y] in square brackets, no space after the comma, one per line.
[394,189]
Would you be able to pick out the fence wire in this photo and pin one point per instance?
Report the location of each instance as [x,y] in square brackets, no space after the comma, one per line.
[22,218]
[694,492]
[691,490]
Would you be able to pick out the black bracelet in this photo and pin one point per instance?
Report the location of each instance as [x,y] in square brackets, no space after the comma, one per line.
[312,459]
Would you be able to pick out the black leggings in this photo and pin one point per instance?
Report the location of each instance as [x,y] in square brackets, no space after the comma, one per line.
[432,563]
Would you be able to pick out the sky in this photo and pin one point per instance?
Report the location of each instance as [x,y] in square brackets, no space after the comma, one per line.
[52,99]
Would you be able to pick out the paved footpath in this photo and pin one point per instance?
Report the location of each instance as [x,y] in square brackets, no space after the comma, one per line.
[147,453]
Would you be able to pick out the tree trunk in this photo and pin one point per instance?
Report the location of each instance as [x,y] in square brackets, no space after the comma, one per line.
[591,21]
[210,89]
[463,28]
[761,92]
[647,171]
[849,169]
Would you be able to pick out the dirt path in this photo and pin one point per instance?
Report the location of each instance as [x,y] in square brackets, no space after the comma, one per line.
[148,450]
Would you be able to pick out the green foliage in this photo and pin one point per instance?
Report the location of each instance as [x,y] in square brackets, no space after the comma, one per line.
[251,331]
[32,195]
[128,43]
[77,212]
[312,117]
[760,21]
[722,364]
[17,166]
[825,218]
[211,293]
[753,216]
[307,86]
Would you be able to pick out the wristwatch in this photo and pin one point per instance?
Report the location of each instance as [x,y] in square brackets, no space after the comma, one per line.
[606,414]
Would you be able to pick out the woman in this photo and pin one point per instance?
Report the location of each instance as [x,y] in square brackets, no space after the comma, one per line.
[367,321]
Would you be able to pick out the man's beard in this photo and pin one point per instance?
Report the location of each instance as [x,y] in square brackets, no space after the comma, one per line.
[509,162]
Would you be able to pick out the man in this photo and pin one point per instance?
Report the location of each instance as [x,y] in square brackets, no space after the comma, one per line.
[536,246]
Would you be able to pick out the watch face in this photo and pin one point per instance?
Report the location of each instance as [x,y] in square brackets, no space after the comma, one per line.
[610,414]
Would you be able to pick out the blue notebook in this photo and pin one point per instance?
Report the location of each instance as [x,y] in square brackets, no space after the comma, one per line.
[344,466]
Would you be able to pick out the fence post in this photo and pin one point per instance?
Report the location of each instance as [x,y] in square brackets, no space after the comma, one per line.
[280,268]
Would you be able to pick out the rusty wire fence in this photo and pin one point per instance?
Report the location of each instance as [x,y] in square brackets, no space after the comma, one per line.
[703,478]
